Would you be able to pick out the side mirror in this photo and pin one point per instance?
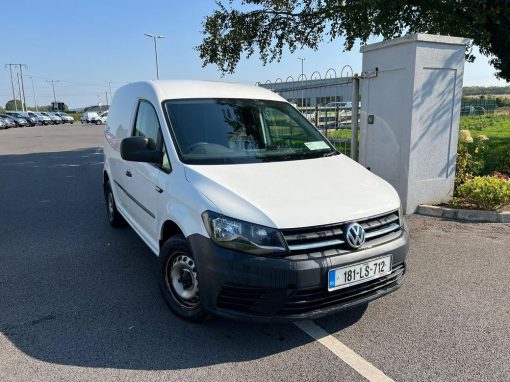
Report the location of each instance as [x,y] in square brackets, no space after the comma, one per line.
[140,149]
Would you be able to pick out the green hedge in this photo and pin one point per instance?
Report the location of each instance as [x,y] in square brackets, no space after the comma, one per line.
[485,192]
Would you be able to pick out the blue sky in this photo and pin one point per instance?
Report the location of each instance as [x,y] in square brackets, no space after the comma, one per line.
[83,44]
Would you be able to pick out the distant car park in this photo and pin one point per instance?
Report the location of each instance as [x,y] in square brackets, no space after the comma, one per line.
[55,119]
[19,122]
[41,119]
[8,123]
[23,115]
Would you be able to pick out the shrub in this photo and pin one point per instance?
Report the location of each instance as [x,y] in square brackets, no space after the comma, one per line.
[486,192]
[469,164]
[504,163]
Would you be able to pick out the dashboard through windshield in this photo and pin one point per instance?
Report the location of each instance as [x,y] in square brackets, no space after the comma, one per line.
[228,131]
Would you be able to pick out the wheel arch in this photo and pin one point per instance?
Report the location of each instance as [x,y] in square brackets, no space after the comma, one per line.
[106,178]
[168,229]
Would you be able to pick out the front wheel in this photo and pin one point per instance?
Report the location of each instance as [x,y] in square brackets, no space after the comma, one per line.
[98,122]
[178,280]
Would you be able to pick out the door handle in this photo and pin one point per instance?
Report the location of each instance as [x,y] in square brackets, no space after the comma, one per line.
[158,189]
[128,174]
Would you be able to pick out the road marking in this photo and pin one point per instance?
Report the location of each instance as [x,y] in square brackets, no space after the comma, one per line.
[351,358]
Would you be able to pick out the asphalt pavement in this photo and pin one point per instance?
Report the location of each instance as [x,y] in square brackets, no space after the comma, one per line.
[79,300]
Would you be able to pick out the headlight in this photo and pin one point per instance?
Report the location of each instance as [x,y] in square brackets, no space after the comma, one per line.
[242,236]
[401,216]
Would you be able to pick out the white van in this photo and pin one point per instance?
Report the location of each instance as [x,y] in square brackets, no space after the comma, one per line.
[90,117]
[251,210]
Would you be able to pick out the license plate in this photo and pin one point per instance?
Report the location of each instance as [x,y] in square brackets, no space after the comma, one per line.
[359,273]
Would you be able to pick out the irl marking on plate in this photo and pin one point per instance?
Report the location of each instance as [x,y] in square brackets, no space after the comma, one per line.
[332,275]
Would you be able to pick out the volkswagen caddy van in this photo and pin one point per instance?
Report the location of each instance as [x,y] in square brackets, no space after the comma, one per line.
[251,210]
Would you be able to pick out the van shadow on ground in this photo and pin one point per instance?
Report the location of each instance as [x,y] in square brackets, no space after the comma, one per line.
[75,291]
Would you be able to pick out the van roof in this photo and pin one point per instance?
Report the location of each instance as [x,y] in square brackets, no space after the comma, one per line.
[181,89]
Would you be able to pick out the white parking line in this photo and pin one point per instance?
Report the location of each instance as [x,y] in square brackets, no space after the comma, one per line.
[351,358]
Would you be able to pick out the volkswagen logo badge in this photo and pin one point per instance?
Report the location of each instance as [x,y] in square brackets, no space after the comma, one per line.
[355,235]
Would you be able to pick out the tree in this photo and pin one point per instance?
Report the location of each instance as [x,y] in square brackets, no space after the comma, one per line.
[10,105]
[270,25]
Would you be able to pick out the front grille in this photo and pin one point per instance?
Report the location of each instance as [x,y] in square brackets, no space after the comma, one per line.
[332,236]
[309,300]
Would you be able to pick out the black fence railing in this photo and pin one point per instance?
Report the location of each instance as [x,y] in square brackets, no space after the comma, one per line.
[477,107]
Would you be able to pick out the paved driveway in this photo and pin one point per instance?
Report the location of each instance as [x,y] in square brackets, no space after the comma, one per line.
[79,300]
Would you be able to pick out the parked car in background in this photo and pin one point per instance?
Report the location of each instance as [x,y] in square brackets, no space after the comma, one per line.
[102,118]
[20,114]
[2,125]
[41,119]
[66,118]
[472,110]
[55,119]
[8,122]
[340,105]
[20,122]
[89,117]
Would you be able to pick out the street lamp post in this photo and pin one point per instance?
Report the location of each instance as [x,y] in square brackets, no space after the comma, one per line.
[155,37]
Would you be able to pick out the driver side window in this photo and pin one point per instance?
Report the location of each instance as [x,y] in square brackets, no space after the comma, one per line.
[147,125]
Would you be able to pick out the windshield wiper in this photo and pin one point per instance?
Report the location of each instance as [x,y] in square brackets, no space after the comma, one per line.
[330,154]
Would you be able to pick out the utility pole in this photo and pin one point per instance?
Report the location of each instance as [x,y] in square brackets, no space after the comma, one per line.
[155,37]
[107,101]
[111,95]
[33,90]
[302,85]
[12,85]
[19,89]
[24,105]
[53,85]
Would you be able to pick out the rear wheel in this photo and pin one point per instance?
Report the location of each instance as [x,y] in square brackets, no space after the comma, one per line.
[114,216]
[178,280]
[98,122]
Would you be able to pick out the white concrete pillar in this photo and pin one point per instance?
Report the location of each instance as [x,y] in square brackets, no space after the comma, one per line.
[410,110]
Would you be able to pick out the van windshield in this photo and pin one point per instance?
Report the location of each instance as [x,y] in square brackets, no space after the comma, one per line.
[227,131]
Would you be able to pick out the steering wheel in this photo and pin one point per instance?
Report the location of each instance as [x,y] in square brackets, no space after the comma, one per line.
[196,146]
[207,148]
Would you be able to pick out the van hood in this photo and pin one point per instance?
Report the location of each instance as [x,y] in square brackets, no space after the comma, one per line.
[294,194]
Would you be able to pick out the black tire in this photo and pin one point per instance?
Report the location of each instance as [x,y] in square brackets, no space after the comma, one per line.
[114,217]
[176,260]
[99,122]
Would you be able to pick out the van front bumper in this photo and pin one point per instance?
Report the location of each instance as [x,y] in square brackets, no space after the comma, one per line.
[265,288]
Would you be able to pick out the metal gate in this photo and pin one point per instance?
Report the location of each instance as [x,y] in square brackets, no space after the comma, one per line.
[330,102]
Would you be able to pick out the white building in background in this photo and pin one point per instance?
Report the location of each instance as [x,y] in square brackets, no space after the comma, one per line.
[316,92]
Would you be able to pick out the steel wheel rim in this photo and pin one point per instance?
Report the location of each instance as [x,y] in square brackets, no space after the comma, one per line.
[181,280]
